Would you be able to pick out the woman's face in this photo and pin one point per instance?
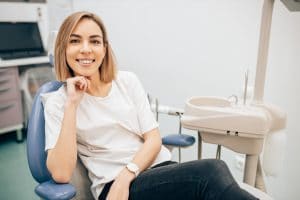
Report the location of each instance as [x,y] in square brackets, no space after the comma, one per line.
[86,50]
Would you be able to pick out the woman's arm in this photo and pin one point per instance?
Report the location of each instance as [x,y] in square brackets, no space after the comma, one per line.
[143,159]
[149,150]
[61,160]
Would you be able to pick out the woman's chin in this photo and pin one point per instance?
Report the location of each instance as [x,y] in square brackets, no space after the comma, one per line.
[84,73]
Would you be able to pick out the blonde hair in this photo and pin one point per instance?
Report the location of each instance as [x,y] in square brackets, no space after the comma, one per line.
[108,67]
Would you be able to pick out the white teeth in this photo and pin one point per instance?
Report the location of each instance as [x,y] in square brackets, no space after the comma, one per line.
[85,61]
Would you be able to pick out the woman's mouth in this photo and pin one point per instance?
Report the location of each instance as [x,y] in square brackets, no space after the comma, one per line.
[85,61]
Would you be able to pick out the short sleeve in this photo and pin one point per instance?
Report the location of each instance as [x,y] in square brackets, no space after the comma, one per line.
[53,112]
[146,118]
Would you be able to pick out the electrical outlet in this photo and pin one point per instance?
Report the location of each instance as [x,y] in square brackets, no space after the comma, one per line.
[239,162]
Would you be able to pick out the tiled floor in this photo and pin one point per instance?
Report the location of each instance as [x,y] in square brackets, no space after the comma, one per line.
[16,182]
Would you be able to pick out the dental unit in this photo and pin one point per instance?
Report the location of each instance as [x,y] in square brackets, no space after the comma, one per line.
[242,127]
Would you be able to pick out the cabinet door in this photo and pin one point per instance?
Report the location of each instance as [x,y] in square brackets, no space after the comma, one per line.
[11,113]
[8,85]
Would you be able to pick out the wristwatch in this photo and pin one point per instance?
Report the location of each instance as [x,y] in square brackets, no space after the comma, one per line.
[132,167]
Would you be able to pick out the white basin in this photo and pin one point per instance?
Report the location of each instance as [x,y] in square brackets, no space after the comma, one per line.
[219,115]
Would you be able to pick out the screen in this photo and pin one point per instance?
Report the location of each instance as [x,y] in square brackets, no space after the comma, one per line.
[20,36]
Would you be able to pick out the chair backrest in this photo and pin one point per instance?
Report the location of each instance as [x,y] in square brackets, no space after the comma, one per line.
[36,154]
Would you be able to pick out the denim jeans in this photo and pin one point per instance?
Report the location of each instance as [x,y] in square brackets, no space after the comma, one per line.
[206,179]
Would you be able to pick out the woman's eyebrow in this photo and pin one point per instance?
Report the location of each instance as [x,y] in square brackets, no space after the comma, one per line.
[75,35]
[92,36]
[95,36]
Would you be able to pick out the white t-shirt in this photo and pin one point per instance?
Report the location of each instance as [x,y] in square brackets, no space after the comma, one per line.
[109,129]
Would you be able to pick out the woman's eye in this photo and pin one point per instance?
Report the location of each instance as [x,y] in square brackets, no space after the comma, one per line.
[74,41]
[96,42]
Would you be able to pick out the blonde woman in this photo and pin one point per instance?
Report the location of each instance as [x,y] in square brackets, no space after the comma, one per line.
[103,115]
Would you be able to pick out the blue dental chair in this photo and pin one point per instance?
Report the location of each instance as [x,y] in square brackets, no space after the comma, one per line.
[36,155]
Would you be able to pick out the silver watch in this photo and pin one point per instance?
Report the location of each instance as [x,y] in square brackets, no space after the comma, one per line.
[132,167]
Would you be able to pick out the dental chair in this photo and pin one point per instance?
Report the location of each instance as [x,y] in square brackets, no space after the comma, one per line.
[36,155]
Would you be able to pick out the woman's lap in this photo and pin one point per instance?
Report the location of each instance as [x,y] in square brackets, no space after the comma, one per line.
[204,179]
[182,181]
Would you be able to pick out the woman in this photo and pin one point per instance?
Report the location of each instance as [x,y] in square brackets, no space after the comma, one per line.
[104,115]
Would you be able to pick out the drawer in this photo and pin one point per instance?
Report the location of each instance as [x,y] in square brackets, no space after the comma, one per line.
[10,113]
[4,71]
[8,70]
[9,87]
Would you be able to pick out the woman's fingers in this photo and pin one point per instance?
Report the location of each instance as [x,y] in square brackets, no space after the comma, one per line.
[80,82]
[77,84]
[88,83]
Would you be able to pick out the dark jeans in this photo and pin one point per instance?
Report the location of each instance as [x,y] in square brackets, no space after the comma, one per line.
[206,179]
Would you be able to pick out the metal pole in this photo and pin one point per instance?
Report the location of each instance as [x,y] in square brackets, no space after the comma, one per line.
[262,58]
[250,169]
[259,181]
[180,129]
[218,155]
[199,146]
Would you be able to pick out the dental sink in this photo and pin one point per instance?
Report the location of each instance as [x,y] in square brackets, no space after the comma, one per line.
[241,128]
[219,115]
[221,121]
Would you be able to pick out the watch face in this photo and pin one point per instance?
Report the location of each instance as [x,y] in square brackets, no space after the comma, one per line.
[133,168]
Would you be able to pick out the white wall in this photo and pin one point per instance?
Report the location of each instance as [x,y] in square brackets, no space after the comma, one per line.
[182,48]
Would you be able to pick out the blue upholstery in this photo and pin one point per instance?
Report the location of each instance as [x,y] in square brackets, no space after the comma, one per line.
[178,140]
[54,191]
[36,155]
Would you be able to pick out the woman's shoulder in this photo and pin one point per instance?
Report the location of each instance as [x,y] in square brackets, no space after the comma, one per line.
[126,77]
[54,100]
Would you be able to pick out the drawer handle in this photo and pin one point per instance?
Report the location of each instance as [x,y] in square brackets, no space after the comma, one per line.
[4,81]
[5,107]
[4,90]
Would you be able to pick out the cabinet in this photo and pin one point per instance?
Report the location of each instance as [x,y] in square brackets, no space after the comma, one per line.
[11,104]
[11,114]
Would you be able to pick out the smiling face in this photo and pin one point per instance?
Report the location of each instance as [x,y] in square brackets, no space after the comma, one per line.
[85,49]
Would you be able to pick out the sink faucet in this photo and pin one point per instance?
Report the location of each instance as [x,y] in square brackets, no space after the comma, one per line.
[235,97]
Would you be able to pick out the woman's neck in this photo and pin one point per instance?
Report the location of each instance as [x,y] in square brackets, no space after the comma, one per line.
[99,88]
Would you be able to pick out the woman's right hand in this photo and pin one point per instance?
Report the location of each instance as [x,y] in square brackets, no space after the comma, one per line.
[76,86]
[62,158]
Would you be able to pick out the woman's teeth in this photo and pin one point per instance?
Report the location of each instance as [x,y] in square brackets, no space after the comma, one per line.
[85,61]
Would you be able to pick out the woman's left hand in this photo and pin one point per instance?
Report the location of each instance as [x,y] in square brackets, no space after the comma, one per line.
[119,190]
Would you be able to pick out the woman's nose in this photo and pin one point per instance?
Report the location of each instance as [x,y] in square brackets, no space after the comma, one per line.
[85,48]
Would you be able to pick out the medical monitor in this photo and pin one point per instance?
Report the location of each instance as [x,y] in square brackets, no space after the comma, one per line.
[20,39]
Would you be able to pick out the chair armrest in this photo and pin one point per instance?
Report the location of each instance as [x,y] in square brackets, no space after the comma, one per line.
[179,140]
[54,191]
